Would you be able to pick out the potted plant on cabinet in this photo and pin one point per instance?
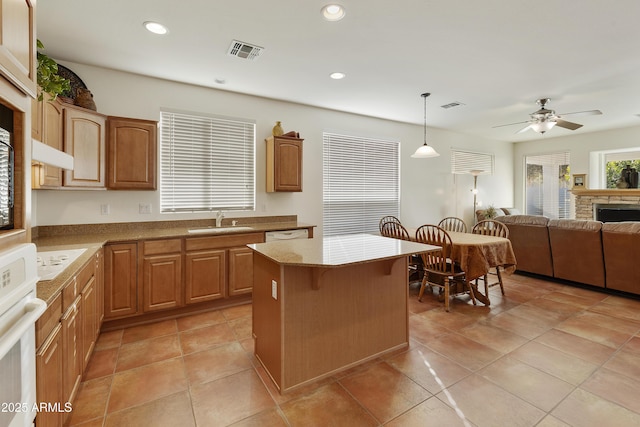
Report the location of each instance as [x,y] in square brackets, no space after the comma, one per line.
[48,79]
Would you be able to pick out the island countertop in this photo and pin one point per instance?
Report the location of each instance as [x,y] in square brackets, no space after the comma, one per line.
[336,251]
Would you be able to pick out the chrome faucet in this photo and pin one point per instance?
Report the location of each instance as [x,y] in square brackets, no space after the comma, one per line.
[219,217]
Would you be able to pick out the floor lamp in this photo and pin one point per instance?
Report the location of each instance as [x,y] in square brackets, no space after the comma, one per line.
[475,174]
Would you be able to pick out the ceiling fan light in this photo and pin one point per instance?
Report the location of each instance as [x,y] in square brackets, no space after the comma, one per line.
[542,127]
[425,151]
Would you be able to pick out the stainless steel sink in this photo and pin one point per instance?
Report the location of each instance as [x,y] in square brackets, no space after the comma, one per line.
[214,230]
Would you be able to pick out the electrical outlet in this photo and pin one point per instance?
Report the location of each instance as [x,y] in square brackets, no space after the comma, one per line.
[105,209]
[144,208]
[274,289]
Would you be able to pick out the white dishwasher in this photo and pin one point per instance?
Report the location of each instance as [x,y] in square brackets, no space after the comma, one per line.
[271,236]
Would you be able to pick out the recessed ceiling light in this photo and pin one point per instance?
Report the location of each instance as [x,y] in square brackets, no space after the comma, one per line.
[156,27]
[333,12]
[337,76]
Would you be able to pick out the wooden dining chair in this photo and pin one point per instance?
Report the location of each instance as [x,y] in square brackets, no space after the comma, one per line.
[452,223]
[397,231]
[387,219]
[489,227]
[439,270]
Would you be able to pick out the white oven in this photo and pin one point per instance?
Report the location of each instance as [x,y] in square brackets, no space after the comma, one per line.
[19,310]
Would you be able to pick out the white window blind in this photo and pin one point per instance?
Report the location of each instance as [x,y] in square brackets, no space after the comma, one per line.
[361,183]
[206,163]
[466,161]
[547,185]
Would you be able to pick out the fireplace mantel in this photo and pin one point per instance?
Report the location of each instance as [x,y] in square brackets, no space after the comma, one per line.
[585,199]
[607,192]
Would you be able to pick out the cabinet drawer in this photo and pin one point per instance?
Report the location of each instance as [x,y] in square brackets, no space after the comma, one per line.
[85,274]
[214,242]
[48,320]
[69,293]
[152,247]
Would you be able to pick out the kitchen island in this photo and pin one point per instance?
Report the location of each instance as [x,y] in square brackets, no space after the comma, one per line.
[326,304]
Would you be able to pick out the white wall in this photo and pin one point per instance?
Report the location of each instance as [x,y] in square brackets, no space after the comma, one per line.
[429,190]
[579,146]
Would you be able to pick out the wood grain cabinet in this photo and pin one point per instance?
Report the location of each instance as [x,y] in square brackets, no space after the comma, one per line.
[46,127]
[162,274]
[18,44]
[204,271]
[49,378]
[120,280]
[240,271]
[131,153]
[71,350]
[284,164]
[84,139]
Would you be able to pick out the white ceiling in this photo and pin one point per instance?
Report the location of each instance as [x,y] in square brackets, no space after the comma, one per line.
[495,56]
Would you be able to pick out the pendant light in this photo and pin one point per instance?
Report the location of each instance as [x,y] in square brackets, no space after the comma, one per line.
[425,151]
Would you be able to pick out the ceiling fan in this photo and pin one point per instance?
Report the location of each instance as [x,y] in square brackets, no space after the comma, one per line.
[545,119]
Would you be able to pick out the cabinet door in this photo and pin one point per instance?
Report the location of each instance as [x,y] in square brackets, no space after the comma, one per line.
[49,378]
[18,44]
[84,139]
[89,316]
[131,154]
[47,127]
[162,282]
[240,271]
[71,351]
[205,275]
[288,164]
[120,280]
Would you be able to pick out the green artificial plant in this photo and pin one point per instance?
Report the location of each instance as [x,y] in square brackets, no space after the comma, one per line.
[48,79]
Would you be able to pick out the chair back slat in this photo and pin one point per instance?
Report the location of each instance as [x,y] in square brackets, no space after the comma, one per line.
[386,219]
[489,227]
[434,235]
[452,223]
[395,230]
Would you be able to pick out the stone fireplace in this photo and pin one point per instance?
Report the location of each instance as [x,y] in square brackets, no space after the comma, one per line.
[586,201]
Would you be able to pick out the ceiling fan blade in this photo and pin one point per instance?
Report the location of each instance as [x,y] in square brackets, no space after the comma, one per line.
[526,128]
[510,124]
[582,113]
[567,125]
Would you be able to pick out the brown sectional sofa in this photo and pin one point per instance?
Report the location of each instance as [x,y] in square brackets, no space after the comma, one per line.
[589,252]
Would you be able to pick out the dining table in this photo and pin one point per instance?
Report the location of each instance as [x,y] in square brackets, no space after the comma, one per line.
[476,254]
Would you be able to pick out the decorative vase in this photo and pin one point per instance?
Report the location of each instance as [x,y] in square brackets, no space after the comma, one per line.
[277,129]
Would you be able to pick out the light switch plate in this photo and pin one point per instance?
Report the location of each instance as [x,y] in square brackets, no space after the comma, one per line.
[274,289]
[144,208]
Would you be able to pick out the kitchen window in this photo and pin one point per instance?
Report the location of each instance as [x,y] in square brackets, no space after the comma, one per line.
[361,183]
[547,179]
[207,163]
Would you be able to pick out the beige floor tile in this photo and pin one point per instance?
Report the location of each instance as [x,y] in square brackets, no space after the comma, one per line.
[517,325]
[486,404]
[207,337]
[169,411]
[585,327]
[200,320]
[585,409]
[242,327]
[216,363]
[238,311]
[91,400]
[617,387]
[269,418]
[384,391]
[139,353]
[430,413]
[464,351]
[453,320]
[423,331]
[496,338]
[111,339]
[229,399]
[542,390]
[151,330]
[574,345]
[102,363]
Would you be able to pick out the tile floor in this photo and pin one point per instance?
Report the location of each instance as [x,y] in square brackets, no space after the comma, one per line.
[545,355]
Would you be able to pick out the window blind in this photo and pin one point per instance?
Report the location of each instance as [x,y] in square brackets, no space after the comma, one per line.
[466,161]
[206,163]
[361,183]
[547,185]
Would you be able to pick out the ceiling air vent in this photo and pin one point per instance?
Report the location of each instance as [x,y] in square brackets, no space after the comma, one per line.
[244,50]
[451,105]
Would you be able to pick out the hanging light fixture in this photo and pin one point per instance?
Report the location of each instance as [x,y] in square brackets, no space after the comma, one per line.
[425,151]
[543,126]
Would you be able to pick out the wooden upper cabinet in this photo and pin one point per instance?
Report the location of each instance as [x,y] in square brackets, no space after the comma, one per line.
[84,139]
[131,153]
[18,44]
[284,164]
[46,127]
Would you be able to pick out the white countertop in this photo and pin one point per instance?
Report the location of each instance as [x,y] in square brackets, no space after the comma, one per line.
[337,251]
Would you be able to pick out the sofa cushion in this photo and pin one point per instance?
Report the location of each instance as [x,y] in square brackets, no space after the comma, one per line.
[529,237]
[576,250]
[511,211]
[620,242]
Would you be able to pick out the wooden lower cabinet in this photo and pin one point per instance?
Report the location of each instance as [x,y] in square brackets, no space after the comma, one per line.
[161,274]
[89,316]
[204,275]
[240,271]
[71,351]
[49,378]
[120,280]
